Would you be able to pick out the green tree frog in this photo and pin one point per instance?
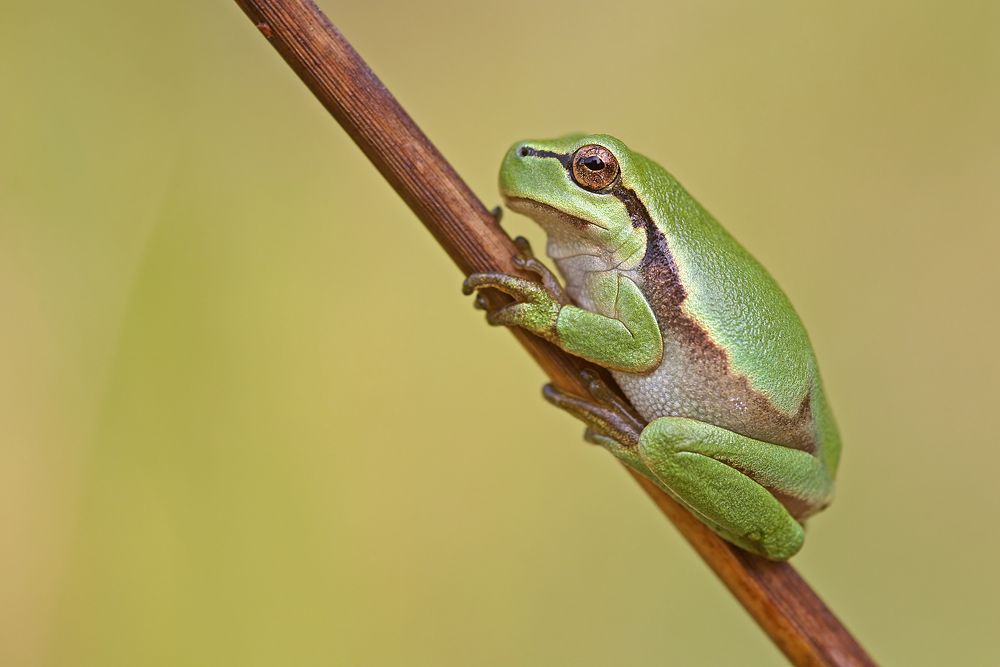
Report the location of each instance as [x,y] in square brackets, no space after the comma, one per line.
[697,334]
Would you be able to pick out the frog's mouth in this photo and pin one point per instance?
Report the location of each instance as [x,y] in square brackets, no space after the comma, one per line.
[548,217]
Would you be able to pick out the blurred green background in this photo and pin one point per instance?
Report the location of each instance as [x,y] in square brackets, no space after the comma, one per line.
[247,417]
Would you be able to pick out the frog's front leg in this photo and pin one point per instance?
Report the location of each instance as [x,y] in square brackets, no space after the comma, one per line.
[627,339]
[536,306]
[731,482]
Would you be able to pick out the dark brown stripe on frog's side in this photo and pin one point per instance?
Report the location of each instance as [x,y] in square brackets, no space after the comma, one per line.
[666,294]
[633,206]
[662,286]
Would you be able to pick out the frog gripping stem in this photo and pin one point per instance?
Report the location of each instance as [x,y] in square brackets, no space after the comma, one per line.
[604,413]
[774,594]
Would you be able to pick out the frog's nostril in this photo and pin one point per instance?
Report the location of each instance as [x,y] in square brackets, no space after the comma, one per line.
[525,151]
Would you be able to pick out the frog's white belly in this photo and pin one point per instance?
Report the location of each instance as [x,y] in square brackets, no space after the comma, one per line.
[669,392]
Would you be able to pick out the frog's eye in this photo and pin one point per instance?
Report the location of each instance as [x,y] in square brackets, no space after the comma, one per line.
[594,167]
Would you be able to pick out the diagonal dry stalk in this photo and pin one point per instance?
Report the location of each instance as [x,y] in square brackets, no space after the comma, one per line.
[784,606]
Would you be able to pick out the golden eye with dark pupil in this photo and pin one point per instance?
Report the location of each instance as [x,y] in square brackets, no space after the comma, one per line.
[594,167]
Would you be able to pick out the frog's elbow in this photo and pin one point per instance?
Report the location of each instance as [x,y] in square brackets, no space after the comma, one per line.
[642,357]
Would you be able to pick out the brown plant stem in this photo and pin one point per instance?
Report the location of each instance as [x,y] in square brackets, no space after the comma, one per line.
[779,600]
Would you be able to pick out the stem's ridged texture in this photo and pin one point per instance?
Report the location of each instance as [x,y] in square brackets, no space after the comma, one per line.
[774,594]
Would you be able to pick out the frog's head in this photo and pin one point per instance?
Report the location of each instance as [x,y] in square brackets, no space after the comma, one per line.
[581,190]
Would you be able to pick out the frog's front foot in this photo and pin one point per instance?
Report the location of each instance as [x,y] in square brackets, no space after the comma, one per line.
[536,306]
[606,415]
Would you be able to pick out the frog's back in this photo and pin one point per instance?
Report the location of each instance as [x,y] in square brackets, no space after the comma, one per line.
[735,352]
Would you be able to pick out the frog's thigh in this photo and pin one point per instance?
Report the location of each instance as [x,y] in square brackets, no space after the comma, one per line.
[695,462]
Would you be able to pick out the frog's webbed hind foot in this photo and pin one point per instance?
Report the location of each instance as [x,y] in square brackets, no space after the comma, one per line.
[606,415]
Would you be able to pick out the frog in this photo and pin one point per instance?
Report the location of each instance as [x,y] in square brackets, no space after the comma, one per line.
[725,407]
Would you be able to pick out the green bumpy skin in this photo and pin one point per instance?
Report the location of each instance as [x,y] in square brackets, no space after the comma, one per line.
[699,337]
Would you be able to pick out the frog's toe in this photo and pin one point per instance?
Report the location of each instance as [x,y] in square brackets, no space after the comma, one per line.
[501,281]
[605,420]
[524,248]
[474,282]
[595,438]
[534,266]
[603,394]
[479,281]
[508,316]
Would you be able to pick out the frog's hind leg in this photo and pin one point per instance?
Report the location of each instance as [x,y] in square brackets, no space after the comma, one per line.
[610,421]
[730,482]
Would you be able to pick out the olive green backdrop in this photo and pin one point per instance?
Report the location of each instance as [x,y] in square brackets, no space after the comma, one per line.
[248,418]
